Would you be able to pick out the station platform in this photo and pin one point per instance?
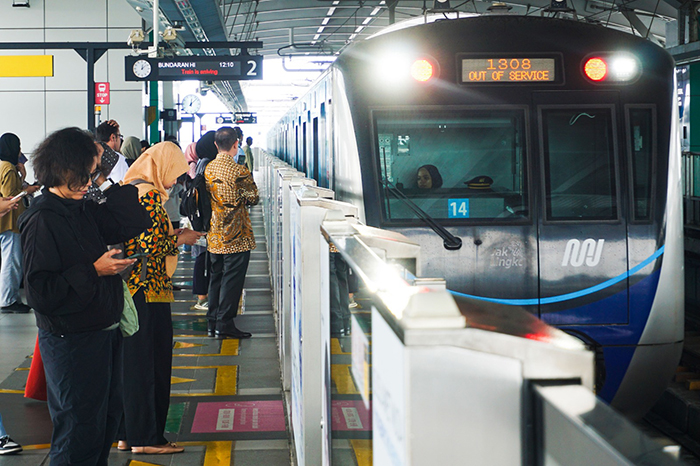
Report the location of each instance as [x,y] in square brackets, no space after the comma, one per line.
[226,400]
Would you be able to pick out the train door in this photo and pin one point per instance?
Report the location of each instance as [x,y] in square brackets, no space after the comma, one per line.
[582,225]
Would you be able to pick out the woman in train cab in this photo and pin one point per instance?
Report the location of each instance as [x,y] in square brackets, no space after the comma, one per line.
[72,282]
[428,177]
[147,356]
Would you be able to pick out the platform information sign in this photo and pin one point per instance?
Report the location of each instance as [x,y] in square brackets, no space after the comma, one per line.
[219,68]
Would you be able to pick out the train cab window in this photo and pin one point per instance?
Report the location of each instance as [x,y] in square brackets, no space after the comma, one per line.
[641,143]
[579,164]
[454,166]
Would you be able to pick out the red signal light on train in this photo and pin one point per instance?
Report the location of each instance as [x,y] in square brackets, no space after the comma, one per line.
[596,69]
[422,70]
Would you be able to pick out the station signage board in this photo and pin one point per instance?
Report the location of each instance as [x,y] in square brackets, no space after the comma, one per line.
[245,118]
[219,68]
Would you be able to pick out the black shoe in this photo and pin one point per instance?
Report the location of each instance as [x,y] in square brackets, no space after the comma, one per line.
[16,308]
[232,334]
[210,332]
[8,447]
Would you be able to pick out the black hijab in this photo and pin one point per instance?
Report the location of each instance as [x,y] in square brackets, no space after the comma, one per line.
[9,148]
[434,175]
[205,146]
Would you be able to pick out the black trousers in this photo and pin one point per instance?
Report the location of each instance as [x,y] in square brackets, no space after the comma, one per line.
[200,276]
[338,283]
[225,289]
[147,363]
[84,388]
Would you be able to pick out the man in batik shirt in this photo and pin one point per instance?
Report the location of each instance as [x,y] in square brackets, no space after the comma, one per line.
[230,238]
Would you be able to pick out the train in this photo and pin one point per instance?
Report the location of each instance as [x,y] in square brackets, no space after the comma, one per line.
[536,161]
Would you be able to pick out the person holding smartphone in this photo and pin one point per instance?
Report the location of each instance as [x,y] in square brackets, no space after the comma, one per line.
[10,249]
[148,354]
[72,282]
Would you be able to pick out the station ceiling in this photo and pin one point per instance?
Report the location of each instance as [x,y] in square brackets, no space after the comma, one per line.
[323,28]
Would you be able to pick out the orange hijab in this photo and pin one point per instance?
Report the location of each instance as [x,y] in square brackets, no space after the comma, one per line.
[161,164]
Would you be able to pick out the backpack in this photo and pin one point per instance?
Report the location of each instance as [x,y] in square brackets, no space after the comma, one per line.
[195,201]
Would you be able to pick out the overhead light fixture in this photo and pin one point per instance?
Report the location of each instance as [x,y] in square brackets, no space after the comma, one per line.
[136,36]
[178,24]
[20,3]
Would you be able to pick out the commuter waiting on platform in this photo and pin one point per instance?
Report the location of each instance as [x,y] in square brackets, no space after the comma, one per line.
[248,151]
[131,149]
[109,133]
[11,263]
[428,177]
[230,237]
[72,282]
[206,151]
[147,359]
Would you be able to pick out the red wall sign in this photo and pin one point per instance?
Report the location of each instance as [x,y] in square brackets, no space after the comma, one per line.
[102,93]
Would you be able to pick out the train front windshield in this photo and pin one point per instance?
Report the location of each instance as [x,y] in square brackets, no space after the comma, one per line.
[452,165]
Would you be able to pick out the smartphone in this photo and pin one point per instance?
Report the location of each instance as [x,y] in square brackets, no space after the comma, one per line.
[19,196]
[137,255]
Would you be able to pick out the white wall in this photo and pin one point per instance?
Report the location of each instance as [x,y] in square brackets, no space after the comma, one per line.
[34,107]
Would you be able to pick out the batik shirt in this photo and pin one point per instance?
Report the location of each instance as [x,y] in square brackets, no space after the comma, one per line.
[232,189]
[157,243]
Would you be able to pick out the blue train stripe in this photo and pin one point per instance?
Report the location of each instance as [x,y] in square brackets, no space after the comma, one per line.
[569,296]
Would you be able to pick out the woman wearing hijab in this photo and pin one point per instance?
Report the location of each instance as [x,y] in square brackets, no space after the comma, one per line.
[131,149]
[11,266]
[192,158]
[428,177]
[148,353]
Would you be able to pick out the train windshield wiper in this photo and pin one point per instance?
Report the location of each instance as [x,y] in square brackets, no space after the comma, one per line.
[450,241]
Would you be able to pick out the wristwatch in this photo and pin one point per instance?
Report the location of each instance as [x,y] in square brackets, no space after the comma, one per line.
[106,185]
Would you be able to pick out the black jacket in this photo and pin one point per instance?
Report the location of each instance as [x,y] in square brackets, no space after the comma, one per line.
[61,239]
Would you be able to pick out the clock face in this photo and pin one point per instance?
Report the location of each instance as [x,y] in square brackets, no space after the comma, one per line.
[142,68]
[191,104]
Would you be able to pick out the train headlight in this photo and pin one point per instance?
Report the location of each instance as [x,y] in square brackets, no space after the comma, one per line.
[624,68]
[612,68]
[422,70]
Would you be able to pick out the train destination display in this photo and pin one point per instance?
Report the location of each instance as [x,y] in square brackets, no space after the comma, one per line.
[510,70]
[218,68]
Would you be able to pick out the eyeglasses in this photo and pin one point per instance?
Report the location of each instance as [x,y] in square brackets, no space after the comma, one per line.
[95,174]
[121,136]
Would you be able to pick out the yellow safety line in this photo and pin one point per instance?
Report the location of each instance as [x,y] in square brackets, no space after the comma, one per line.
[340,373]
[226,377]
[18,392]
[228,348]
[336,348]
[217,453]
[363,452]
[39,446]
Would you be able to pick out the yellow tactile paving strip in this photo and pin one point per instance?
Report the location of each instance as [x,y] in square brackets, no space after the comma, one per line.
[226,380]
[228,348]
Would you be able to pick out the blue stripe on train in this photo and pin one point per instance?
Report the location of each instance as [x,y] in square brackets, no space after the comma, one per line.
[569,296]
